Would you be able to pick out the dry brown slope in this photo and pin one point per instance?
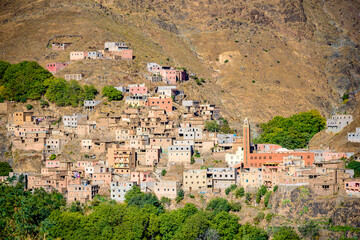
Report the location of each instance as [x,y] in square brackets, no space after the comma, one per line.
[259,58]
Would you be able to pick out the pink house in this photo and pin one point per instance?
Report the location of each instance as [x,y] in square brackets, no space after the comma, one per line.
[169,76]
[352,186]
[138,90]
[55,67]
[52,164]
[140,177]
[102,178]
[152,156]
[126,54]
[328,156]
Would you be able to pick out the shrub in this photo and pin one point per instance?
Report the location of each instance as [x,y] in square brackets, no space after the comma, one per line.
[267,199]
[247,197]
[240,192]
[286,233]
[52,157]
[44,104]
[191,196]
[163,172]
[259,217]
[29,107]
[309,230]
[165,200]
[269,216]
[5,169]
[235,206]
[276,188]
[226,61]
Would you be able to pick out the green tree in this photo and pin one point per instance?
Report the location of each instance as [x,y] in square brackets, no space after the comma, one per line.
[293,132]
[112,93]
[5,169]
[24,81]
[64,93]
[248,232]
[163,172]
[90,92]
[356,166]
[52,157]
[3,67]
[226,224]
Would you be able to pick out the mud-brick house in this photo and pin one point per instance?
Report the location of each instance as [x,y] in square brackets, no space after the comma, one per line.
[55,67]
[121,158]
[81,192]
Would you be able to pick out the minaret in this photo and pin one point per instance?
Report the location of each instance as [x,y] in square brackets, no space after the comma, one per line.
[246,140]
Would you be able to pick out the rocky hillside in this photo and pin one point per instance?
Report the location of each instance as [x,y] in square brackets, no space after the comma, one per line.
[259,58]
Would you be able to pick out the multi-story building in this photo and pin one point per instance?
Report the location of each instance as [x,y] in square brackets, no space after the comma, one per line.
[122,159]
[81,192]
[195,180]
[338,122]
[354,136]
[167,189]
[115,46]
[138,89]
[236,158]
[180,154]
[90,104]
[190,133]
[136,101]
[119,189]
[53,146]
[161,102]
[94,55]
[74,120]
[220,178]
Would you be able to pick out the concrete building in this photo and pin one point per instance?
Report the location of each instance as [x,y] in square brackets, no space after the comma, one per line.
[337,122]
[195,180]
[136,101]
[90,104]
[220,178]
[76,56]
[161,102]
[55,67]
[74,120]
[94,55]
[115,46]
[250,178]
[77,77]
[354,136]
[352,187]
[119,189]
[126,54]
[121,158]
[167,189]
[226,138]
[53,146]
[138,89]
[236,158]
[59,46]
[180,154]
[190,133]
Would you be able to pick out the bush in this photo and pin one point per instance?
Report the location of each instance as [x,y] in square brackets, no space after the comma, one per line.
[356,166]
[259,217]
[276,188]
[44,104]
[52,157]
[229,189]
[309,230]
[226,61]
[112,93]
[247,197]
[163,172]
[165,200]
[267,199]
[235,206]
[286,233]
[240,192]
[191,196]
[269,216]
[29,107]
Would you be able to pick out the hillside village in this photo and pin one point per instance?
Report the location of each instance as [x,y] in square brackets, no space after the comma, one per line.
[159,140]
